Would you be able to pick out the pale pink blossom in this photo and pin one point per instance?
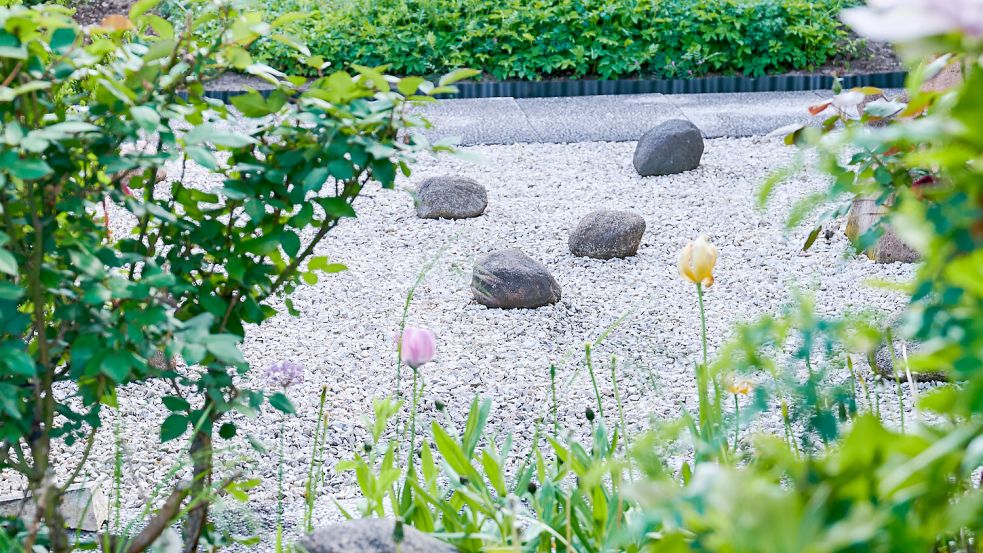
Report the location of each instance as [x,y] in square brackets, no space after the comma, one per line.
[908,20]
[416,346]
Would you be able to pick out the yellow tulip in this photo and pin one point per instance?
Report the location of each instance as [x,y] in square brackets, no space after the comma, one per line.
[697,260]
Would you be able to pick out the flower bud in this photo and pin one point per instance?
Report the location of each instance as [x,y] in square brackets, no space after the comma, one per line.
[367,446]
[439,405]
[531,488]
[416,346]
[589,413]
[697,260]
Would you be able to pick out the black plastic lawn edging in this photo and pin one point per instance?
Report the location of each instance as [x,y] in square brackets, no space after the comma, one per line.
[702,85]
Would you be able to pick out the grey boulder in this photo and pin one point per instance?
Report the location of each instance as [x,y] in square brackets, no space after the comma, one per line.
[510,279]
[883,366]
[450,198]
[671,147]
[606,234]
[370,535]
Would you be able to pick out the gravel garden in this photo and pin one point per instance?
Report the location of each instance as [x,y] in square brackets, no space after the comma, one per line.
[296,323]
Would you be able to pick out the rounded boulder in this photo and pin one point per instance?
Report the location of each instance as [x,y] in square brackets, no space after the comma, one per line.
[450,198]
[672,147]
[607,234]
[510,279]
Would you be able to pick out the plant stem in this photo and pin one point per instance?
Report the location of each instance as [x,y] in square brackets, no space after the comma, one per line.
[621,415]
[737,421]
[279,490]
[412,451]
[701,371]
[556,420]
[593,380]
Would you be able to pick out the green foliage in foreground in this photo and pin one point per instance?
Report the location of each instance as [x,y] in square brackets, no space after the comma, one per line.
[541,39]
[89,118]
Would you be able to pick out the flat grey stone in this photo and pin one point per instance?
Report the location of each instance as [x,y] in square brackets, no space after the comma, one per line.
[606,234]
[371,535]
[747,113]
[621,118]
[450,198]
[478,121]
[671,147]
[84,507]
[510,279]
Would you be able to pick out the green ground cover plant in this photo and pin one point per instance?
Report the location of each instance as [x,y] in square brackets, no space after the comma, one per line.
[544,39]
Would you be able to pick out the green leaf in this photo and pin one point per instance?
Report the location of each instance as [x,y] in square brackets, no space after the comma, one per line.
[220,137]
[8,263]
[225,348]
[281,402]
[175,403]
[146,117]
[227,431]
[31,169]
[18,361]
[173,427]
[141,7]
[408,86]
[116,366]
[457,75]
[62,39]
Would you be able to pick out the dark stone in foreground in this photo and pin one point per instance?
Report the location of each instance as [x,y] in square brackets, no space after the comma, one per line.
[450,198]
[671,147]
[510,279]
[606,234]
[882,362]
[370,535]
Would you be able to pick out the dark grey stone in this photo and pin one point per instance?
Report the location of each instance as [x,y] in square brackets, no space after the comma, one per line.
[510,279]
[606,234]
[882,364]
[669,148]
[370,535]
[450,198]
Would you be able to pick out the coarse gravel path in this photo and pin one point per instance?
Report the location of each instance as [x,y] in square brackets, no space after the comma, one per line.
[537,193]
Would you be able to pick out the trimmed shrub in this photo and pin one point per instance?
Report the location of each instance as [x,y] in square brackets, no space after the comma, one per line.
[544,39]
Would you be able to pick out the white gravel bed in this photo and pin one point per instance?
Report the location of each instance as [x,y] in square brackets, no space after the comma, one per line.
[537,193]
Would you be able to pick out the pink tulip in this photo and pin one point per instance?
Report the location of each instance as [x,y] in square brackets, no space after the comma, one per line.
[417,346]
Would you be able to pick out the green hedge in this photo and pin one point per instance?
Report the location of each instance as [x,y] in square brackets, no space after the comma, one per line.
[539,39]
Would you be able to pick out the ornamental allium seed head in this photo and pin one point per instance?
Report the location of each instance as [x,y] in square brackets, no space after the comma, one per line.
[589,413]
[697,260]
[285,374]
[416,346]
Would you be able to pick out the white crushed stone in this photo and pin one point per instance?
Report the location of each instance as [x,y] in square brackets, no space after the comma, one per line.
[537,193]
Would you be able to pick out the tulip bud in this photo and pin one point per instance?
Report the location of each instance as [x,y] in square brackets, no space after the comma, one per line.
[697,260]
[589,413]
[531,488]
[416,346]
[439,405]
[367,446]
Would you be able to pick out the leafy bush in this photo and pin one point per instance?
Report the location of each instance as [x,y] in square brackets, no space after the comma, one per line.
[88,119]
[543,39]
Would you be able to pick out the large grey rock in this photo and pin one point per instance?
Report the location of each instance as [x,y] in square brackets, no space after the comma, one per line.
[450,198]
[84,506]
[671,147]
[889,248]
[511,279]
[606,234]
[370,535]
